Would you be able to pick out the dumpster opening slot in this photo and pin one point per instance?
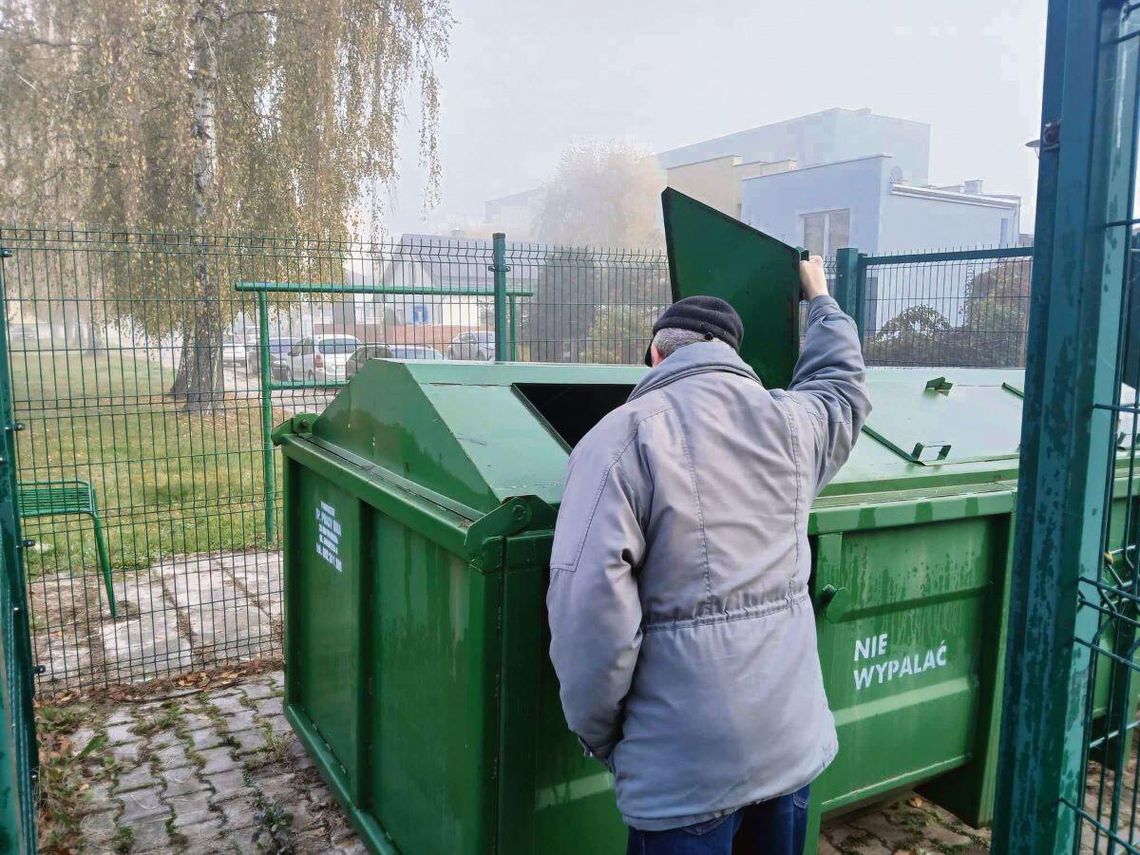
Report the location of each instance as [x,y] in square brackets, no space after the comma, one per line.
[571,409]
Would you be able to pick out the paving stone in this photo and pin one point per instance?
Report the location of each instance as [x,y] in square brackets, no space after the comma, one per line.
[119,734]
[270,706]
[937,833]
[216,760]
[228,704]
[149,645]
[161,740]
[843,834]
[120,715]
[204,835]
[257,691]
[150,835]
[228,785]
[98,828]
[239,813]
[194,721]
[277,679]
[892,835]
[181,782]
[140,805]
[295,752]
[249,741]
[98,797]
[203,739]
[81,737]
[127,754]
[242,720]
[133,779]
[61,662]
[280,786]
[172,757]
[277,723]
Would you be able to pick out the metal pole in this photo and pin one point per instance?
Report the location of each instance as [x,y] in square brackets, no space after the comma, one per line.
[499,267]
[859,300]
[846,270]
[19,759]
[1084,207]
[511,306]
[268,472]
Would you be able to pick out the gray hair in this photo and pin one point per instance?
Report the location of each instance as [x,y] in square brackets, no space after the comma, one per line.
[671,339]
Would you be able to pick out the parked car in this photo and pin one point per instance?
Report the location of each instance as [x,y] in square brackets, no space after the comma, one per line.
[279,348]
[362,355]
[233,349]
[414,351]
[321,357]
[478,345]
[388,351]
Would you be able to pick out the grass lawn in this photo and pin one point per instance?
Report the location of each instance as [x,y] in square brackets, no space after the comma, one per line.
[166,481]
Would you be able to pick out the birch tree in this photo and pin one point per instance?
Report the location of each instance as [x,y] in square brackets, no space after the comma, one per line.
[205,117]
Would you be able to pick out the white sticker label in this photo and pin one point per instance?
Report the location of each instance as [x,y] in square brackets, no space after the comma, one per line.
[885,670]
[328,536]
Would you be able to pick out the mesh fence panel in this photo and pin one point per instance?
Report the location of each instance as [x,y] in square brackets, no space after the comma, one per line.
[947,311]
[137,369]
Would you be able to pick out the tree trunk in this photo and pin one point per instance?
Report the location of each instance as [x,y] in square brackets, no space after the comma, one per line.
[200,369]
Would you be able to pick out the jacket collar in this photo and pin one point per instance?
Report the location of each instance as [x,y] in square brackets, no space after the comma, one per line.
[697,358]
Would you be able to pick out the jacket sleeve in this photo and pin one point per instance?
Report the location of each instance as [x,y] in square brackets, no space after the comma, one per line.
[592,602]
[830,384]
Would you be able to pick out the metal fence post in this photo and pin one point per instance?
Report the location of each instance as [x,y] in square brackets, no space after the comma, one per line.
[269,473]
[499,267]
[19,759]
[851,285]
[846,269]
[1084,217]
[859,298]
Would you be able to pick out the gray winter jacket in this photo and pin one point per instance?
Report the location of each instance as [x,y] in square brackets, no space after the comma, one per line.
[681,628]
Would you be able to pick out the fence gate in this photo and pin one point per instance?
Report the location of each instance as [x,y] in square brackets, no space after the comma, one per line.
[19,764]
[1068,779]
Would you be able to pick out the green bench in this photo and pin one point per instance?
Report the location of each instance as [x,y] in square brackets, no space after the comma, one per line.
[56,498]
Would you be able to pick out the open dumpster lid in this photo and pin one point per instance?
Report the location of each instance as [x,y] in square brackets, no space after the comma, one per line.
[715,254]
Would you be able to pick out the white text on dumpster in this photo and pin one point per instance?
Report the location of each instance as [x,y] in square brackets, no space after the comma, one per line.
[875,647]
[328,535]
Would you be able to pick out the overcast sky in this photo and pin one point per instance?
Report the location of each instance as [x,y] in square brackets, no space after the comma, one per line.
[526,77]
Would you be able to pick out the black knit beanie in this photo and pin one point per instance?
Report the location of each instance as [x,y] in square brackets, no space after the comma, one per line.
[711,316]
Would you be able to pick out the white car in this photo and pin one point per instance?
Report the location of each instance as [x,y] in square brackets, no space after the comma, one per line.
[233,349]
[321,358]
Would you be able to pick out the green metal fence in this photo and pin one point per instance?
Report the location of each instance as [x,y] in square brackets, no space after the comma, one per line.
[1068,780]
[151,368]
[148,370]
[962,308]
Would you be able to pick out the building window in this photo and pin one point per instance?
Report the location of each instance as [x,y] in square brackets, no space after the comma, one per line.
[827,231]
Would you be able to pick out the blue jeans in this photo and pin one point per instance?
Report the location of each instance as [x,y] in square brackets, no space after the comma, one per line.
[774,827]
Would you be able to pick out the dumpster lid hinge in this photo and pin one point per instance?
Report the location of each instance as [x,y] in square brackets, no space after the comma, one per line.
[486,538]
[298,425]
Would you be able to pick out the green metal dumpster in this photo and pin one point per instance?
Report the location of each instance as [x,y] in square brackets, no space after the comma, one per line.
[419,510]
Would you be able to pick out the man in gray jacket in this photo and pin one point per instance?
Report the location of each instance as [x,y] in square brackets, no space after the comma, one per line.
[681,628]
